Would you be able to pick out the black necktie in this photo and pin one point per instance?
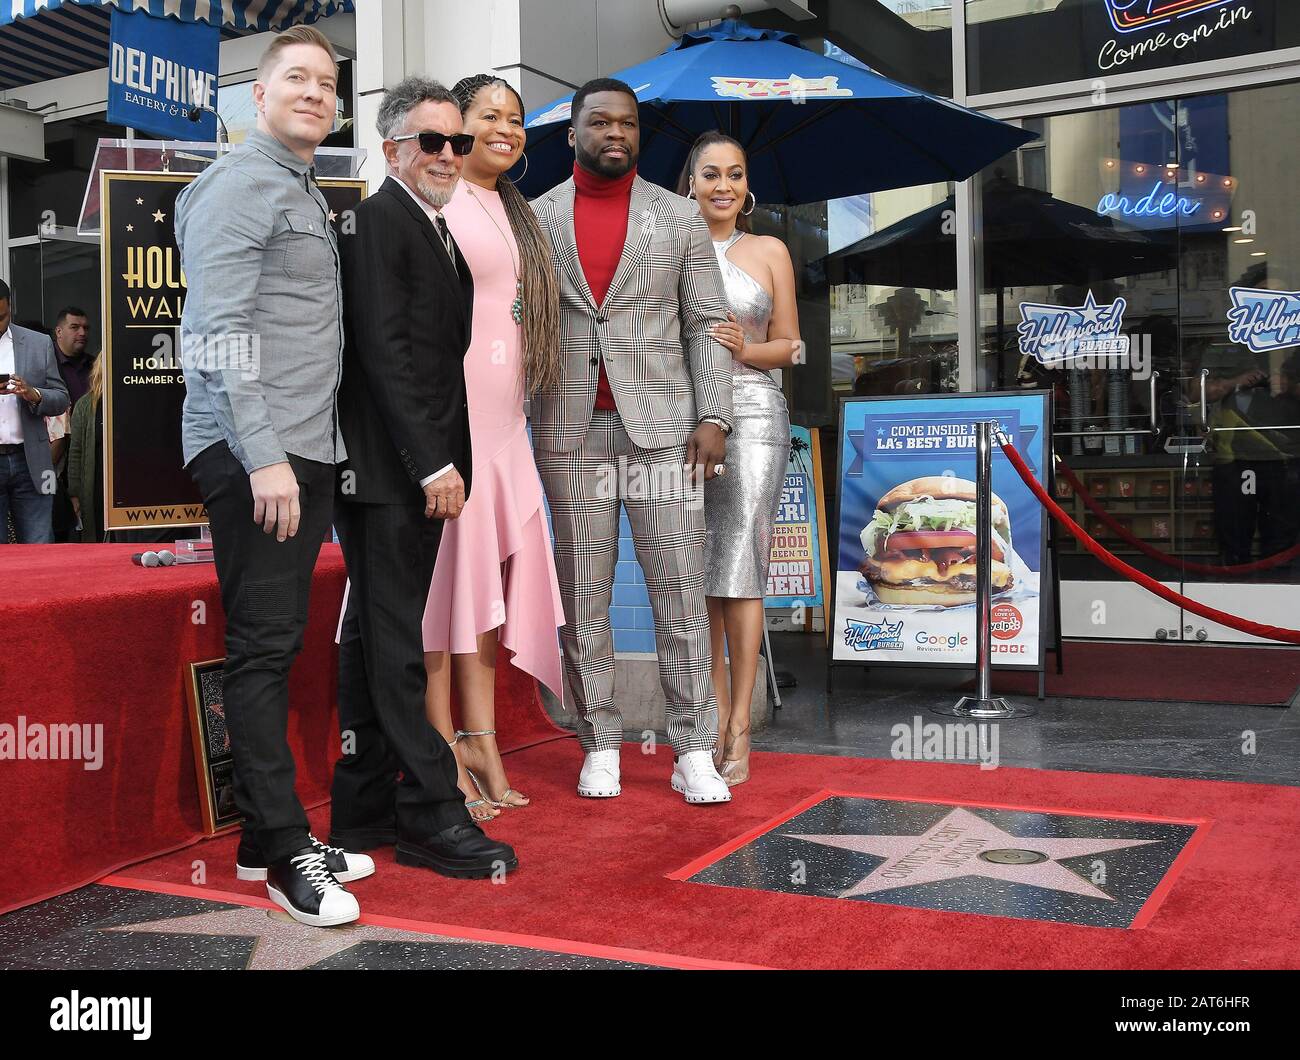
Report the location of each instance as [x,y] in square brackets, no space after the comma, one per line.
[441,224]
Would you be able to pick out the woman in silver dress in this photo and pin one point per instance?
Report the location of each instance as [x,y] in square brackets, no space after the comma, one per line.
[740,506]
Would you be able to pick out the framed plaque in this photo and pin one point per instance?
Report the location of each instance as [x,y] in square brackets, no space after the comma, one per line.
[213,763]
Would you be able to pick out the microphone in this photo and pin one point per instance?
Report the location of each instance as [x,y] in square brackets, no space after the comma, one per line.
[198,110]
[161,558]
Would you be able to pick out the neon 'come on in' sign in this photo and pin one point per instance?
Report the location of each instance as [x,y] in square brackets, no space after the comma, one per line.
[1152,204]
[1128,16]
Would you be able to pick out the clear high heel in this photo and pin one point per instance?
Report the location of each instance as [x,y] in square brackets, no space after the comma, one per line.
[735,770]
[501,803]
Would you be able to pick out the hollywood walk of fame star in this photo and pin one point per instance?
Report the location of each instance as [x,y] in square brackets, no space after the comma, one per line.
[951,849]
[282,943]
[158,215]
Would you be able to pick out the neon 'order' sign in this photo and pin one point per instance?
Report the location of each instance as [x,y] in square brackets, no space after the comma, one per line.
[1158,202]
[1129,16]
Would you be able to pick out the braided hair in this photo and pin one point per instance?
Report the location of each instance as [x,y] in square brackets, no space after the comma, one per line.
[541,323]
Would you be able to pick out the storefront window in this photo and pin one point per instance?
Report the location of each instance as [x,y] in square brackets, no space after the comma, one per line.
[891,274]
[48,194]
[1021,43]
[1149,287]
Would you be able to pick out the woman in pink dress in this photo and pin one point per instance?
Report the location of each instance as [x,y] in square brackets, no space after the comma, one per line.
[495,582]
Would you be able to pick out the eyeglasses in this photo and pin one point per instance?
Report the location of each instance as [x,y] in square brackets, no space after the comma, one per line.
[431,143]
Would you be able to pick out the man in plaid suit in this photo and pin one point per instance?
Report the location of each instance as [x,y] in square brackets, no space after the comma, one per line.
[642,410]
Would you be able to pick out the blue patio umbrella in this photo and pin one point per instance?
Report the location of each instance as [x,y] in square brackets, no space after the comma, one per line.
[814,128]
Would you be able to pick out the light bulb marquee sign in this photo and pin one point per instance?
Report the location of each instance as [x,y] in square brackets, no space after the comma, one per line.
[1171,167]
[1147,28]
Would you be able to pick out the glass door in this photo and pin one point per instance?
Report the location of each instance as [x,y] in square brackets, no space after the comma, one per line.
[1237,510]
[1080,297]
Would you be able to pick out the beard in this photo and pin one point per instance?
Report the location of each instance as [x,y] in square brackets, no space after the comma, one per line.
[432,194]
[602,163]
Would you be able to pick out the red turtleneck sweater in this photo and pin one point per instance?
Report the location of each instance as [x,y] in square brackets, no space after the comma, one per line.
[600,210]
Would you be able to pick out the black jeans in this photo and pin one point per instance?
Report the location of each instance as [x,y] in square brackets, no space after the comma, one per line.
[265,590]
[390,551]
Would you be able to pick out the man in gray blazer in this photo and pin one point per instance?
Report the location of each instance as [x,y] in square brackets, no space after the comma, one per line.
[31,388]
[639,417]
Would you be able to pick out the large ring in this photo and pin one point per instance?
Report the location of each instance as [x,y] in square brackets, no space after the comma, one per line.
[719,469]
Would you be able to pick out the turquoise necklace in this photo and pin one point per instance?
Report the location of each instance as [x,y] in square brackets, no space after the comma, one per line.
[517,306]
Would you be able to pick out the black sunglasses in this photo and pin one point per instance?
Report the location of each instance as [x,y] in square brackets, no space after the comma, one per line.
[431,143]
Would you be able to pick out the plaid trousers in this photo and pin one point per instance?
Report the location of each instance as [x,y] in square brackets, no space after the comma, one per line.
[666,512]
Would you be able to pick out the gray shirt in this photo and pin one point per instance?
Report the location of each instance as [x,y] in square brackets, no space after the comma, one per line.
[262,328]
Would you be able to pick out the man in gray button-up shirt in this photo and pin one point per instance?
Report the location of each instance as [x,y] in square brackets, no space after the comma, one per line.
[262,327]
[261,338]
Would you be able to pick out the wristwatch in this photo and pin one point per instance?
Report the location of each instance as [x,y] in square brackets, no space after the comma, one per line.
[721,424]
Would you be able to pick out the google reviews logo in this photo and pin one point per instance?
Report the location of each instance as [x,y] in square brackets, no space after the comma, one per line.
[941,641]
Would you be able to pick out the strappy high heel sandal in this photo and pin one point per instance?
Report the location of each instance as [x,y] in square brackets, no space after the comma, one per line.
[500,803]
[480,809]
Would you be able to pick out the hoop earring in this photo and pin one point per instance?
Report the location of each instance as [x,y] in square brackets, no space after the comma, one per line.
[516,180]
[690,190]
[753,201]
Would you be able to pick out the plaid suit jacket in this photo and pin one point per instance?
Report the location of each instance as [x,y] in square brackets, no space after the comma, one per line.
[666,371]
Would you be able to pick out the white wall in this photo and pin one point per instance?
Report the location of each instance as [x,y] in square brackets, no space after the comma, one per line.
[545,48]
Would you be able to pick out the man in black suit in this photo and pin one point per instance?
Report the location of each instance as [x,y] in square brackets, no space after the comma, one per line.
[408,301]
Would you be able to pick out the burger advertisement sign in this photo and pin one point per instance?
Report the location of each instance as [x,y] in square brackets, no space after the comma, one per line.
[906,572]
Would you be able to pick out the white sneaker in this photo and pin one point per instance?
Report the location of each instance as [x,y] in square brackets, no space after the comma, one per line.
[599,776]
[695,776]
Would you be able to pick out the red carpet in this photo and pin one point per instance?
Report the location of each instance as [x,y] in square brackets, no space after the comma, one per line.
[596,872]
[91,639]
[1173,673]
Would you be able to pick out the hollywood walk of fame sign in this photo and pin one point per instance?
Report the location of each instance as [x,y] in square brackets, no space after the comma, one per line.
[143,292]
[1100,871]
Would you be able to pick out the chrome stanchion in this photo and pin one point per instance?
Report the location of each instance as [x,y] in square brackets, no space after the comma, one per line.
[983,705]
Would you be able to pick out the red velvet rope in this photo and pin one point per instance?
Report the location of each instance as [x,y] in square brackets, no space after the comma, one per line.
[1091,504]
[1288,636]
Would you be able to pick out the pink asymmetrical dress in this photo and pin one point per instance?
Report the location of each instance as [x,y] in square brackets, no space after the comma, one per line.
[495,567]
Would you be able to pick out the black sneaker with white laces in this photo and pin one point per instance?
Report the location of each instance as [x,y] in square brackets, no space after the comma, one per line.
[346,867]
[303,886]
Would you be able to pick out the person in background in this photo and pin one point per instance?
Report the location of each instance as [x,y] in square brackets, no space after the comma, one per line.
[740,508]
[85,468]
[30,390]
[495,581]
[71,331]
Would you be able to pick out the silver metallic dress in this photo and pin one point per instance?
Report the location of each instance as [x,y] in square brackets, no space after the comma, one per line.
[740,505]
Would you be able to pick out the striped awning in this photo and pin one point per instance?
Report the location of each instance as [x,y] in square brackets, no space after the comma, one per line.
[44,39]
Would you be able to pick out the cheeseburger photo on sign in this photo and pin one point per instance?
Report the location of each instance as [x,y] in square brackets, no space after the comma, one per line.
[920,544]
